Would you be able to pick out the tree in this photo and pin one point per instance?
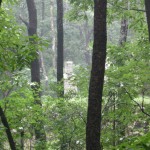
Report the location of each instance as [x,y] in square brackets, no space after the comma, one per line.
[52,27]
[122,41]
[94,116]
[35,71]
[147,8]
[7,129]
[126,84]
[123,31]
[42,65]
[81,11]
[6,124]
[0,2]
[60,49]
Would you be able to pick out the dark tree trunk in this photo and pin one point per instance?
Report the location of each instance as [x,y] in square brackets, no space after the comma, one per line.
[0,3]
[22,140]
[35,72]
[7,129]
[114,120]
[147,8]
[123,31]
[60,41]
[94,118]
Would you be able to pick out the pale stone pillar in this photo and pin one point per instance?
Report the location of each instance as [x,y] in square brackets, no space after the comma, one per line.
[68,86]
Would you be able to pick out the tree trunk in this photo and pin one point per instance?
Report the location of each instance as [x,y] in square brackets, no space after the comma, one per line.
[53,35]
[94,118]
[7,129]
[35,73]
[43,69]
[114,120]
[0,3]
[88,34]
[43,16]
[85,33]
[42,65]
[60,49]
[147,8]
[22,139]
[123,31]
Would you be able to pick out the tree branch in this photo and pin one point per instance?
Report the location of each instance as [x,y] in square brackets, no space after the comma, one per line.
[7,130]
[110,94]
[141,107]
[24,21]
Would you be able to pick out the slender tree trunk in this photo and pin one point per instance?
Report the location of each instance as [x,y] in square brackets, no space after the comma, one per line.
[7,129]
[60,48]
[114,121]
[88,34]
[43,15]
[42,65]
[123,31]
[35,74]
[124,27]
[94,117]
[147,8]
[53,34]
[22,139]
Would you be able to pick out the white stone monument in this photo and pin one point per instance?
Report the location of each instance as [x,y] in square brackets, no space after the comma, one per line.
[68,74]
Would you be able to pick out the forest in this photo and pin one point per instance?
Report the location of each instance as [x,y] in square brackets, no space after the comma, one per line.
[74,74]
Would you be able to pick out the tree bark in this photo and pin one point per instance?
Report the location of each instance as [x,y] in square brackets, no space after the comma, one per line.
[94,117]
[147,8]
[60,48]
[7,129]
[35,73]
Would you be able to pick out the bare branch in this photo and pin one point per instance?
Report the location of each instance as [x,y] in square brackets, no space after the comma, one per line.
[110,97]
[24,21]
[141,107]
[143,94]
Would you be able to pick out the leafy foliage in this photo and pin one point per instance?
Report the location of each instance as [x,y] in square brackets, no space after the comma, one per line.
[127,82]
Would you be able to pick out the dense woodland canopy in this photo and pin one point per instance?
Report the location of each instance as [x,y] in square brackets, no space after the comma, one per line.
[74,74]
